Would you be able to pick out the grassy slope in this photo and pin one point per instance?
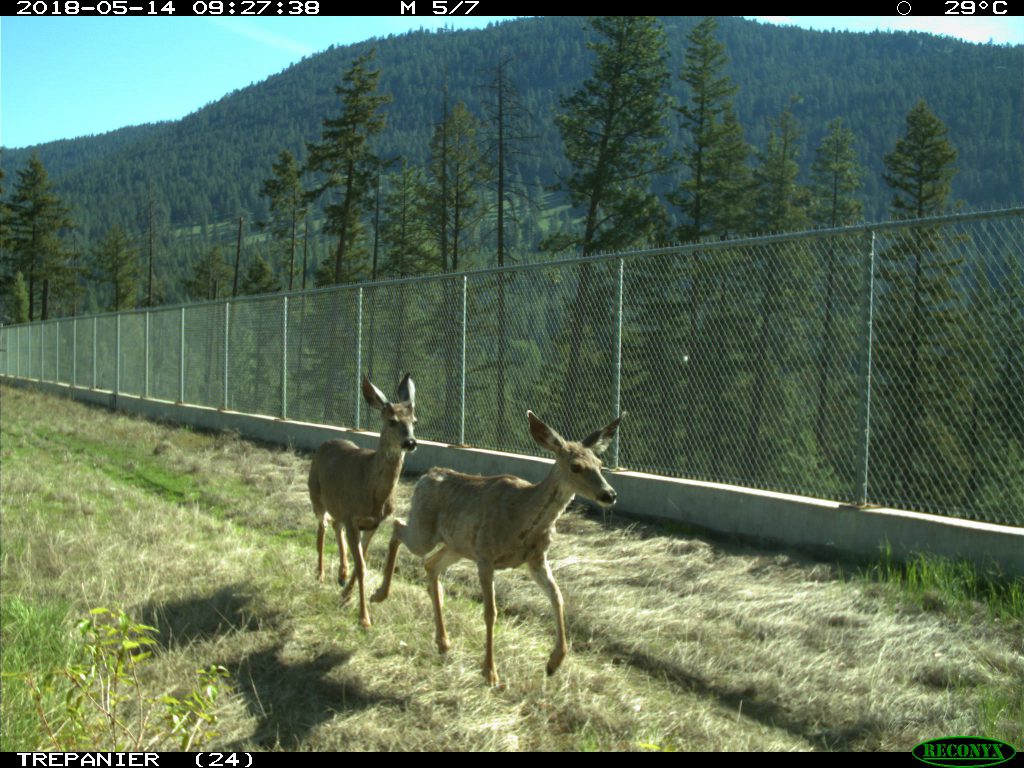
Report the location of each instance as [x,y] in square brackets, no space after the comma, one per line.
[676,642]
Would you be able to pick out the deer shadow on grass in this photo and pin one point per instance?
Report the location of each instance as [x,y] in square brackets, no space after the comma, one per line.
[232,608]
[290,698]
[287,697]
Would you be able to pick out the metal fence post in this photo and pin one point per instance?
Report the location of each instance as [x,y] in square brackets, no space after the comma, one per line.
[117,356]
[145,345]
[42,351]
[284,357]
[181,359]
[359,351]
[617,404]
[462,367]
[227,322]
[865,404]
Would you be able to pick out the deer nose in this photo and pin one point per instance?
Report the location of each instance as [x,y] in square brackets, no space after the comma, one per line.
[608,497]
[409,445]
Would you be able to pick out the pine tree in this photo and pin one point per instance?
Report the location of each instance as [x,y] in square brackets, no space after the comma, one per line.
[458,172]
[406,235]
[347,161]
[211,277]
[37,218]
[778,283]
[17,306]
[920,168]
[259,278]
[508,119]
[116,262]
[836,177]
[781,201]
[716,153]
[288,206]
[923,398]
[614,132]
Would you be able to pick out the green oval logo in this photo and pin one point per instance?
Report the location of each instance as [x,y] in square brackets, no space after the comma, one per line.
[963,752]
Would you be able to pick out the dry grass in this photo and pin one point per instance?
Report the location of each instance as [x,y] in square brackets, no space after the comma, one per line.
[677,642]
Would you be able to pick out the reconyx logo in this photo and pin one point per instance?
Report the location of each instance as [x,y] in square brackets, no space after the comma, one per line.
[961,751]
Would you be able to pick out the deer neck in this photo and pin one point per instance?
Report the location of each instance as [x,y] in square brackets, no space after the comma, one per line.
[387,462]
[550,498]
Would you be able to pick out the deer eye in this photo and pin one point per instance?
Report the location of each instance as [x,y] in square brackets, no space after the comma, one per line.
[576,467]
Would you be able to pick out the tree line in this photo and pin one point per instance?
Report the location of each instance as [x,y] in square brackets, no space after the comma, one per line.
[389,216]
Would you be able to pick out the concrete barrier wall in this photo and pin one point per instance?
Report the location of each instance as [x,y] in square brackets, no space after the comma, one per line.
[826,528]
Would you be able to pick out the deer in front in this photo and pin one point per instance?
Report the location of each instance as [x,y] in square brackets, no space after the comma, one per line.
[500,522]
[353,488]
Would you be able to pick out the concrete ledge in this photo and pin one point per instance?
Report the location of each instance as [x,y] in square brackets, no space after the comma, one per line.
[825,527]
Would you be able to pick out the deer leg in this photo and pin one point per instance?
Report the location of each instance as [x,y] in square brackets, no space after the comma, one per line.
[367,536]
[540,569]
[357,554]
[436,565]
[487,585]
[342,555]
[389,567]
[320,550]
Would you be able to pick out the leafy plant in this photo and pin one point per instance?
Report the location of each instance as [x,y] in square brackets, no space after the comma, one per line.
[103,704]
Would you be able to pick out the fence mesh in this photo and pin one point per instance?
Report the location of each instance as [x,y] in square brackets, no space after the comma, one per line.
[872,365]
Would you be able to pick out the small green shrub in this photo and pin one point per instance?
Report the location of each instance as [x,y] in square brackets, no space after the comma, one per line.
[102,704]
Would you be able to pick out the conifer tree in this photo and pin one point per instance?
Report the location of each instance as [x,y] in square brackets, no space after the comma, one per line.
[288,206]
[116,263]
[836,177]
[406,235]
[715,153]
[37,218]
[614,132]
[17,307]
[346,159]
[210,278]
[923,399]
[259,278]
[458,172]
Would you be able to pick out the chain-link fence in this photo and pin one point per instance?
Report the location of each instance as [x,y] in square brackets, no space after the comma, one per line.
[873,365]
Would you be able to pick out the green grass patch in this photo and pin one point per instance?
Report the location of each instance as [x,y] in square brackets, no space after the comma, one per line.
[35,638]
[935,583]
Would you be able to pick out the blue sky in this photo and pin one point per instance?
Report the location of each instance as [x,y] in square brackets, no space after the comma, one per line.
[62,77]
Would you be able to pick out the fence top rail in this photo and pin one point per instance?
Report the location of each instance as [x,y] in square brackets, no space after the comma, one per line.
[680,249]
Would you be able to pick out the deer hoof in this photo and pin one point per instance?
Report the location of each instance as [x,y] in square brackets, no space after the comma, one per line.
[379,596]
[491,676]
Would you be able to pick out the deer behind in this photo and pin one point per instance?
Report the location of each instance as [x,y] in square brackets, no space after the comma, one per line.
[352,488]
[500,522]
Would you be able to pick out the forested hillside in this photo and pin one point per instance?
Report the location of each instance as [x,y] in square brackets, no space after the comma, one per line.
[183,185]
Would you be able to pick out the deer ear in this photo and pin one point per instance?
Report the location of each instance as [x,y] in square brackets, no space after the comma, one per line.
[407,390]
[372,395]
[545,436]
[599,441]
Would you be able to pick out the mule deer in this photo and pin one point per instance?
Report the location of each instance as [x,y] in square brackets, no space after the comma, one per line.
[353,487]
[500,522]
